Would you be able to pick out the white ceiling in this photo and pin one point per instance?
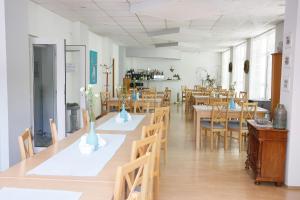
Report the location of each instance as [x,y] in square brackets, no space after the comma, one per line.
[212,25]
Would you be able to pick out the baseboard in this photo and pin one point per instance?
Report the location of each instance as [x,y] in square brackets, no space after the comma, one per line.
[292,187]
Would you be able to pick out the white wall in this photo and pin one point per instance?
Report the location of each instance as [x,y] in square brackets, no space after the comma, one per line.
[189,68]
[291,97]
[23,19]
[46,24]
[17,53]
[278,34]
[4,147]
[107,50]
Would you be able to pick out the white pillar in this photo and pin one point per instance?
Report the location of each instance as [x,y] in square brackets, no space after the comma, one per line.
[14,81]
[4,148]
[290,96]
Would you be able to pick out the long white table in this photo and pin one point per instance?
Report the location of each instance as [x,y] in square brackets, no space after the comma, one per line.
[100,186]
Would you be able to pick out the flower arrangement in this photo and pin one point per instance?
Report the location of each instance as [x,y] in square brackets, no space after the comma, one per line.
[90,100]
[210,81]
[232,86]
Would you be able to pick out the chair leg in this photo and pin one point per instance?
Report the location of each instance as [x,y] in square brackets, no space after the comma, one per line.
[211,140]
[165,152]
[156,186]
[240,141]
[225,140]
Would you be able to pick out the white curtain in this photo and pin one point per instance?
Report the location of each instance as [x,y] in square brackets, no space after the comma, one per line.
[238,75]
[225,73]
[261,65]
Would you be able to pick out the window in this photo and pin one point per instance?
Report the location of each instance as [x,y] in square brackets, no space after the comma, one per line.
[225,73]
[261,66]
[238,75]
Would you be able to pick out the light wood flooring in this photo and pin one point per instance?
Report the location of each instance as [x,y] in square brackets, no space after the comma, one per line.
[206,175]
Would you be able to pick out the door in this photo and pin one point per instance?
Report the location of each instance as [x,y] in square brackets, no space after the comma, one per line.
[75,79]
[43,93]
[48,87]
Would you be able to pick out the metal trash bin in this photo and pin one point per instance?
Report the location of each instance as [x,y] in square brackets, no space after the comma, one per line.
[72,117]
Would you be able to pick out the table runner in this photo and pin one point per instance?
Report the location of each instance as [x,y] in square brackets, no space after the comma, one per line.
[34,194]
[111,124]
[70,162]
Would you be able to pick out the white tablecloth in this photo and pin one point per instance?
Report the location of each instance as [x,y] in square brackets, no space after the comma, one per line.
[70,162]
[112,125]
[33,194]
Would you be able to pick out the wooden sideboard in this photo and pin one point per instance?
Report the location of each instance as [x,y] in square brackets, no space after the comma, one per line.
[266,154]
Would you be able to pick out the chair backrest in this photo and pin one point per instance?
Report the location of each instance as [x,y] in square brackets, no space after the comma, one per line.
[248,111]
[104,97]
[219,113]
[243,95]
[25,144]
[157,116]
[150,145]
[153,129]
[54,134]
[213,100]
[132,177]
[141,107]
[85,117]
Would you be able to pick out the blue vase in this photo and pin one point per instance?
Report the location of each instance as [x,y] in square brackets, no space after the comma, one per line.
[124,114]
[231,104]
[92,138]
[133,96]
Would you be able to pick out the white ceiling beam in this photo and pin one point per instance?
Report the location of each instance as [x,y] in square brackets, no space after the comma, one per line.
[168,44]
[164,32]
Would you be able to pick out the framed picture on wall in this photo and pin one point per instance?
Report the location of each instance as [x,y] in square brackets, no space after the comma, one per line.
[93,67]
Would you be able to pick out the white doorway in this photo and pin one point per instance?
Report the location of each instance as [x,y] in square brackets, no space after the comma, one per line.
[47,89]
[44,93]
[75,79]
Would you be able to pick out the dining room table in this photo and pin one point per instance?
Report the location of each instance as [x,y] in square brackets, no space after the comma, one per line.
[62,166]
[205,112]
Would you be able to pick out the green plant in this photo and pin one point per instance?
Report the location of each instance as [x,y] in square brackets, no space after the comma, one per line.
[90,101]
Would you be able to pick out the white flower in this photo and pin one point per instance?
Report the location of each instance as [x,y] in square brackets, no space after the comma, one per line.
[82,89]
[90,86]
[97,95]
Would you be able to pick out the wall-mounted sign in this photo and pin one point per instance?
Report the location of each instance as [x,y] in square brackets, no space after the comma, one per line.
[93,67]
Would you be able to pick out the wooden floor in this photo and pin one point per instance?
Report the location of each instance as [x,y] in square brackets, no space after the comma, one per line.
[206,175]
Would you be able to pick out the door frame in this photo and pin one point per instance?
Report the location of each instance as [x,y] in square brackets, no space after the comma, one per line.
[83,78]
[59,81]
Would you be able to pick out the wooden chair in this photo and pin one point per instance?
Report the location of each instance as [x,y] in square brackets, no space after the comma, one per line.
[54,135]
[188,101]
[157,116]
[132,179]
[141,107]
[149,131]
[85,117]
[243,98]
[141,148]
[104,97]
[167,97]
[165,131]
[183,92]
[25,144]
[218,122]
[248,111]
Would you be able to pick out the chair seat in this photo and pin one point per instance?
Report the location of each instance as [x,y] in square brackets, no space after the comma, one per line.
[236,125]
[207,124]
